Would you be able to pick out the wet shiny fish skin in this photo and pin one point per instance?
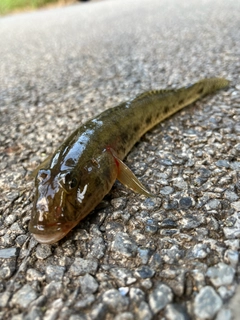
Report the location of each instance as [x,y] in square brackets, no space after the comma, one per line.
[83,169]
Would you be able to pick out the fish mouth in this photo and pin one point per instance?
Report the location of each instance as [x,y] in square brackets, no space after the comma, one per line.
[48,234]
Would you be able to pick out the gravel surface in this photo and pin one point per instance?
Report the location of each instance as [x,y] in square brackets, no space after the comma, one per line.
[175,256]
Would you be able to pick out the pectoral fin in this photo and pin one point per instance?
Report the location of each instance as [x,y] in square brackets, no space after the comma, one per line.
[128,179]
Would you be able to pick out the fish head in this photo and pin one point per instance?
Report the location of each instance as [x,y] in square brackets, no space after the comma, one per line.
[59,204]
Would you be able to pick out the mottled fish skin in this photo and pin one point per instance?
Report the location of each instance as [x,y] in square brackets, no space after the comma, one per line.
[83,169]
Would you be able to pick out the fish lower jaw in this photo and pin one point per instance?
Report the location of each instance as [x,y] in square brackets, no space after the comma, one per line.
[49,238]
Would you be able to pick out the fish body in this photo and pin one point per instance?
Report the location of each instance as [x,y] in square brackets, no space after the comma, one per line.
[83,169]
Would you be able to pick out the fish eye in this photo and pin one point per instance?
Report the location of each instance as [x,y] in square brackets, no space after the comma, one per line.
[70,182]
[73,183]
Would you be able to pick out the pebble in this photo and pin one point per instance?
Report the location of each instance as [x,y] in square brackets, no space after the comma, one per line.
[52,289]
[144,254]
[124,245]
[33,275]
[88,284]
[172,255]
[119,203]
[166,190]
[24,296]
[185,202]
[123,276]
[160,297]
[43,251]
[84,302]
[200,251]
[222,163]
[124,316]
[4,298]
[224,314]
[82,266]
[9,253]
[115,301]
[144,272]
[230,196]
[207,303]
[175,312]
[143,312]
[98,312]
[54,272]
[221,274]
[136,295]
[97,248]
[232,257]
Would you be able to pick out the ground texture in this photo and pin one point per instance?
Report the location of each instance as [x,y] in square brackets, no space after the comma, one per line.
[175,256]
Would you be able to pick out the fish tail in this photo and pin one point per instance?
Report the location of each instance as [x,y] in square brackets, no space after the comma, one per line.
[208,86]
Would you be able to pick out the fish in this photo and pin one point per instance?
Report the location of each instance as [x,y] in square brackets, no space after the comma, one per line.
[70,183]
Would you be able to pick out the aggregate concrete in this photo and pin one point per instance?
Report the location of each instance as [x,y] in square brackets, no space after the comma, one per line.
[175,256]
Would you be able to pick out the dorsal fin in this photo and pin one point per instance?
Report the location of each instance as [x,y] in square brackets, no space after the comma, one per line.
[153,92]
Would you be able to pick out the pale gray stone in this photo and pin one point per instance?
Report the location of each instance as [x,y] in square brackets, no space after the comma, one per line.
[207,303]
[24,296]
[160,297]
[221,274]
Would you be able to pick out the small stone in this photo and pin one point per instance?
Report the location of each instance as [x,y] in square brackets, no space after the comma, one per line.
[235,165]
[84,302]
[82,266]
[123,276]
[176,312]
[124,316]
[236,205]
[119,203]
[230,196]
[171,255]
[207,303]
[136,295]
[221,274]
[150,203]
[52,289]
[98,312]
[224,314]
[232,256]
[54,273]
[185,202]
[200,251]
[4,298]
[222,163]
[151,226]
[9,253]
[180,183]
[160,297]
[213,204]
[43,251]
[166,190]
[144,272]
[143,311]
[97,248]
[124,245]
[33,275]
[88,284]
[24,296]
[123,290]
[226,292]
[146,284]
[34,314]
[115,301]
[144,254]
[191,222]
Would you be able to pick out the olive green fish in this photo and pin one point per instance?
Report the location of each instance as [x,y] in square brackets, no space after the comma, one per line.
[83,169]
